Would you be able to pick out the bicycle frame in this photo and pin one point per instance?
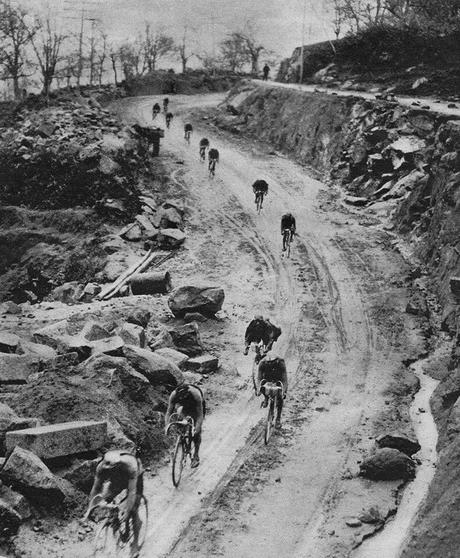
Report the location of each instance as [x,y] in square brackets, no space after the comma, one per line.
[212,167]
[287,236]
[273,391]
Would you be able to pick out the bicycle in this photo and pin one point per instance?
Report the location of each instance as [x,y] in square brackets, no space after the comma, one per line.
[185,427]
[287,238]
[259,201]
[261,350]
[202,153]
[212,167]
[114,535]
[273,392]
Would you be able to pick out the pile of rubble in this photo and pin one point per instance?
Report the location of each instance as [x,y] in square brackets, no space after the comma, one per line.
[86,384]
[75,153]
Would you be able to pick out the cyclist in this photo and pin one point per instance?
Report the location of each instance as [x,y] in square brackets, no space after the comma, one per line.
[287,222]
[165,104]
[118,471]
[155,110]
[188,129]
[272,368]
[261,329]
[204,144]
[213,156]
[187,400]
[260,187]
[169,117]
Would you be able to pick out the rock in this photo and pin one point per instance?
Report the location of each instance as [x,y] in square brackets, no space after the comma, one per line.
[146,224]
[417,305]
[170,219]
[16,501]
[177,357]
[418,82]
[415,179]
[355,200]
[408,144]
[9,342]
[400,442]
[7,417]
[10,520]
[194,317]
[170,238]
[187,339]
[205,300]
[112,346]
[139,316]
[177,205]
[387,464]
[132,334]
[372,516]
[454,283]
[57,440]
[82,474]
[89,292]
[68,292]
[108,166]
[11,307]
[204,364]
[51,335]
[353,522]
[77,344]
[43,352]
[152,282]
[449,388]
[161,340]
[93,331]
[29,475]
[132,232]
[15,369]
[149,202]
[158,370]
[46,129]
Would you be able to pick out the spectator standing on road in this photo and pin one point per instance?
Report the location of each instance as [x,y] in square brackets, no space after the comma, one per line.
[266,70]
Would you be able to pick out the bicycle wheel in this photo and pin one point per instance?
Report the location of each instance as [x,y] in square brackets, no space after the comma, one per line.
[259,203]
[288,249]
[125,537]
[269,421]
[105,543]
[178,461]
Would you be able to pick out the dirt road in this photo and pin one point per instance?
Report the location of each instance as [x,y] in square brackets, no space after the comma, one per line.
[338,300]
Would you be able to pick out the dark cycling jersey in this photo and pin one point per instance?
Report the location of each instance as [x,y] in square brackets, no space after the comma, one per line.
[188,128]
[260,186]
[287,222]
[204,142]
[213,155]
[156,108]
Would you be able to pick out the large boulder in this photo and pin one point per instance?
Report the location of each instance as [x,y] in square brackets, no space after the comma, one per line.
[58,440]
[132,334]
[81,474]
[387,464]
[139,316]
[15,369]
[205,300]
[9,342]
[29,475]
[10,520]
[204,364]
[158,370]
[400,442]
[187,339]
[177,357]
[16,501]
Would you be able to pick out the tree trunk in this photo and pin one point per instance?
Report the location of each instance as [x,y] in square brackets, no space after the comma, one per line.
[16,89]
[114,67]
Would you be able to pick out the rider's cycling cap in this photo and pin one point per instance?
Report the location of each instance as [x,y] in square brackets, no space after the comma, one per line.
[258,317]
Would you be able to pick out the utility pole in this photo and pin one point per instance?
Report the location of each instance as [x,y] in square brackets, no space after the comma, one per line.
[304,16]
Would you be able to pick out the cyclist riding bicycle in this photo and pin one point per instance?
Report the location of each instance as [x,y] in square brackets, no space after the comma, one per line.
[261,329]
[188,129]
[287,222]
[213,156]
[118,471]
[165,104]
[260,187]
[272,368]
[204,144]
[156,109]
[169,117]
[187,400]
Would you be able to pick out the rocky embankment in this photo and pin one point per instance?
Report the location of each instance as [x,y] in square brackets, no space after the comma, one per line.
[400,165]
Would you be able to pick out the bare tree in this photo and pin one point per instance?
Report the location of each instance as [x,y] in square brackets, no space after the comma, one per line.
[338,17]
[251,45]
[47,43]
[101,56]
[156,45]
[16,33]
[131,57]
[233,52]
[183,51]
[113,55]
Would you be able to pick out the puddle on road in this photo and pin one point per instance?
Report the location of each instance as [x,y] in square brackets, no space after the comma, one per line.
[389,542]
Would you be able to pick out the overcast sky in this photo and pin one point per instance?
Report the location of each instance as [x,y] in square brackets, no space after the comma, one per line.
[279,22]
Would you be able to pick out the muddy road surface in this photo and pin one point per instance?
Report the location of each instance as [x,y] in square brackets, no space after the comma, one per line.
[340,301]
